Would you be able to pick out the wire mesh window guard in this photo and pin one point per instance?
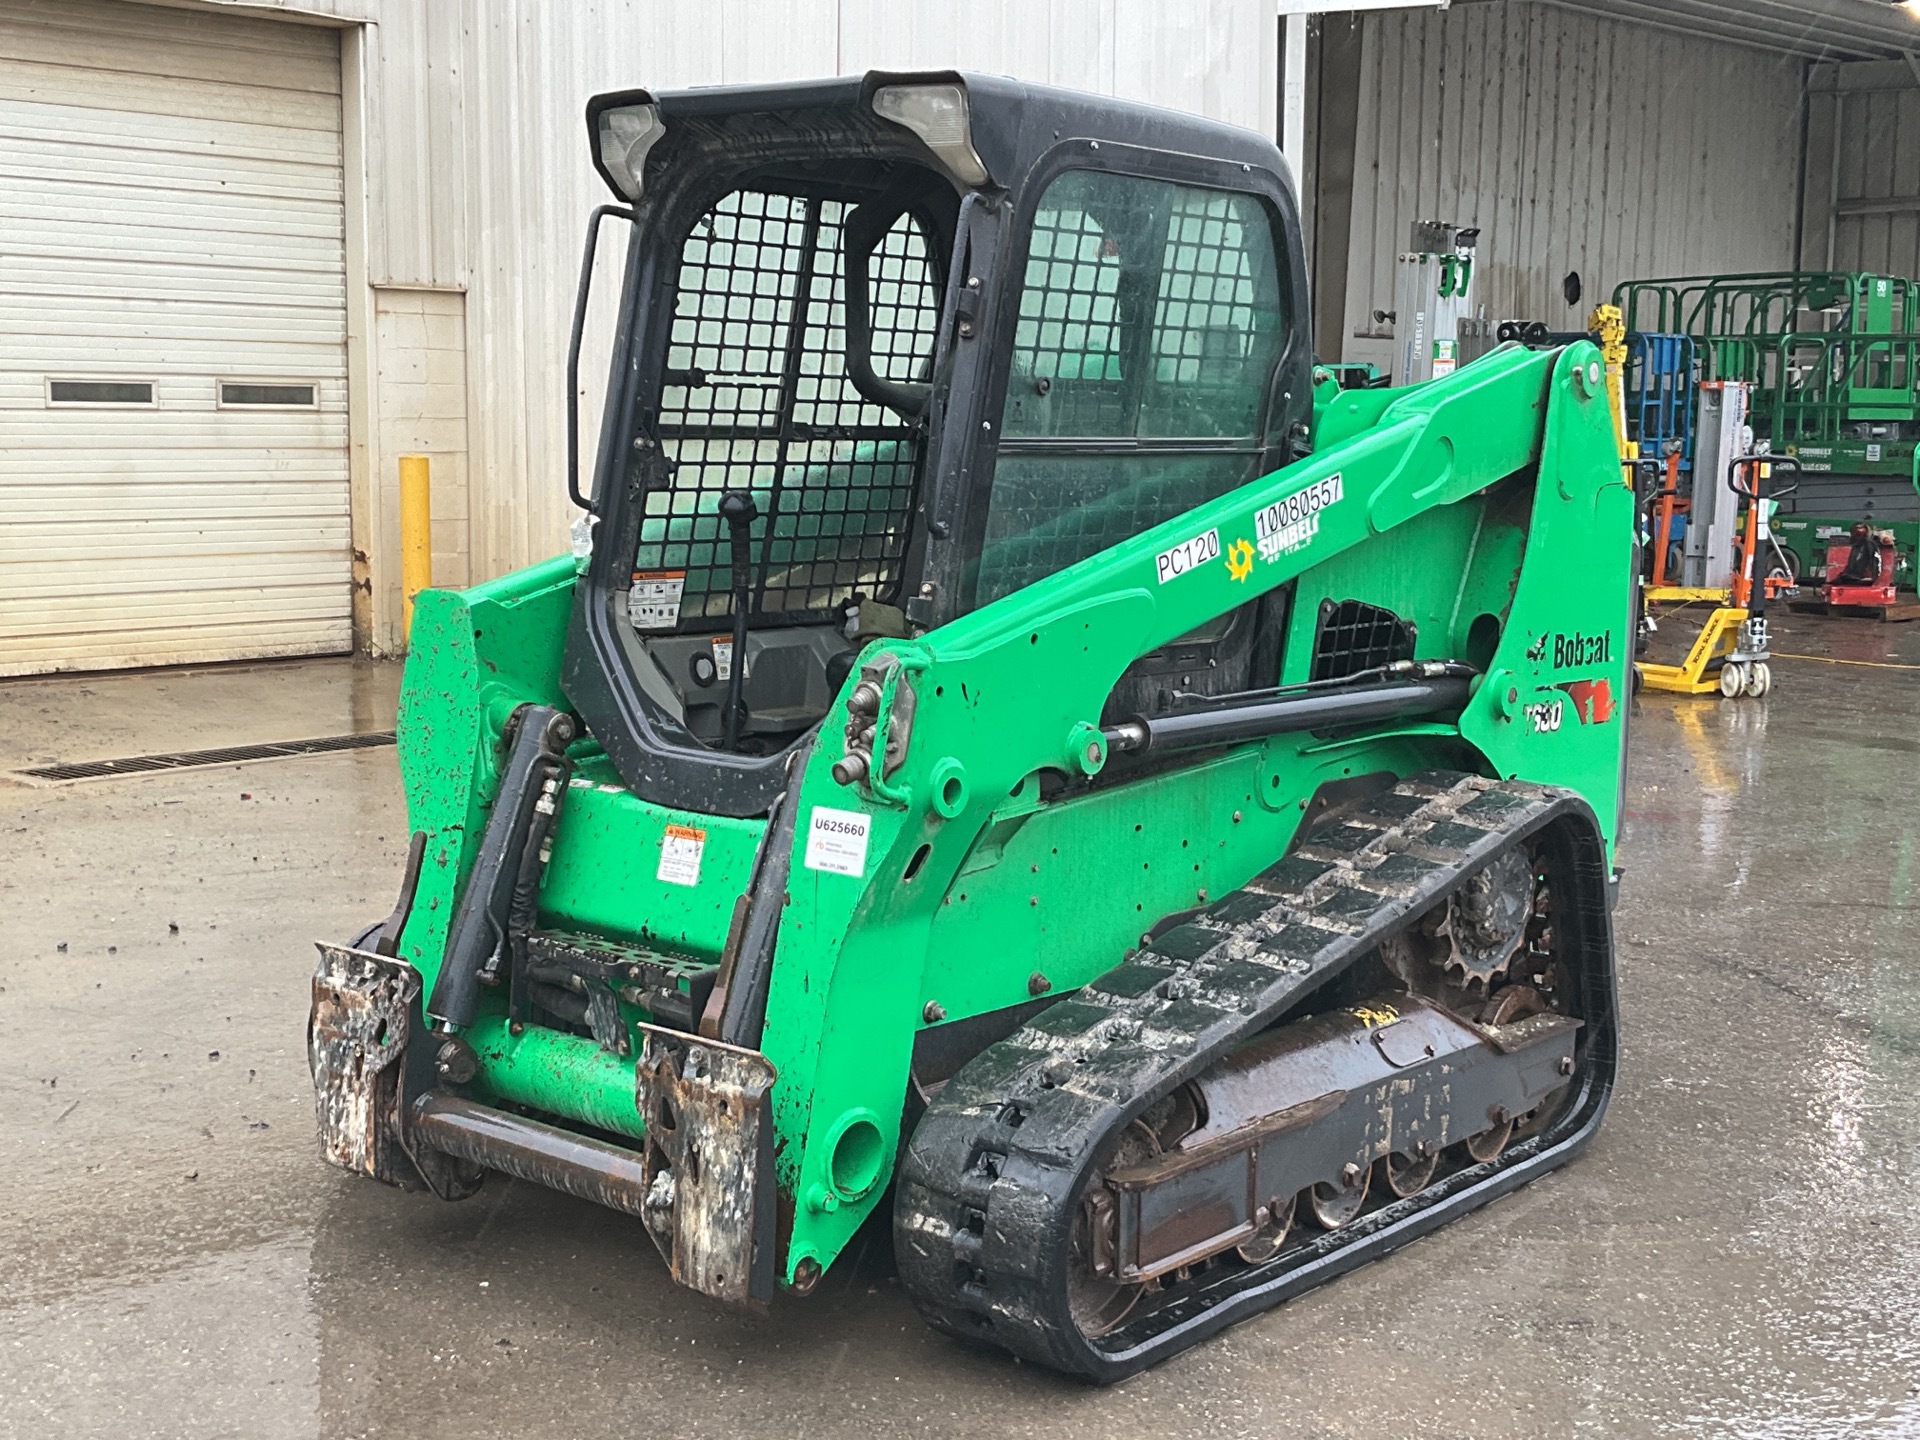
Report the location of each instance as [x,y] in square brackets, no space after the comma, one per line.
[757,398]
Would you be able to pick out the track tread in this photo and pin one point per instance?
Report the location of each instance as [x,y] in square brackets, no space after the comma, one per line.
[990,1176]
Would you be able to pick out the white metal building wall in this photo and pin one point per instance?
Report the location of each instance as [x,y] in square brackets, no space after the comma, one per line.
[1863,168]
[1576,143]
[478,175]
[170,216]
[463,123]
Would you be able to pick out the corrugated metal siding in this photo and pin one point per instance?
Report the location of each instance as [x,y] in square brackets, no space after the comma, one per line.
[479,178]
[1576,143]
[421,395]
[170,211]
[1872,177]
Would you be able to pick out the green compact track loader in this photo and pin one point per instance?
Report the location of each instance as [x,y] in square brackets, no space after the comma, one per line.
[1015,745]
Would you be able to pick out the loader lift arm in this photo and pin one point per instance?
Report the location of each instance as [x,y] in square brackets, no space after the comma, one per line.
[1017,689]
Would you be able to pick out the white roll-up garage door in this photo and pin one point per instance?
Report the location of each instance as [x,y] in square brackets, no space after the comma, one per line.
[173,406]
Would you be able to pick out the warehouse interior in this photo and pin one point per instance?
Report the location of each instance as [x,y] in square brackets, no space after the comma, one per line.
[1584,138]
[292,462]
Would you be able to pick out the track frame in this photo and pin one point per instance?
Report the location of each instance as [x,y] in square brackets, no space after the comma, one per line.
[993,1175]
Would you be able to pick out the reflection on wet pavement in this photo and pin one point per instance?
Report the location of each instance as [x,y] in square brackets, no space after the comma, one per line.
[1735,1256]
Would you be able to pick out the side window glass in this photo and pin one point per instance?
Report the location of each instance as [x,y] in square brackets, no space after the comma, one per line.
[1152,313]
[905,306]
[1216,334]
[1149,310]
[1066,376]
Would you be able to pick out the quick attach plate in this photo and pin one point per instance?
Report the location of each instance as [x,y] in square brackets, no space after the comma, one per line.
[709,1161]
[356,1035]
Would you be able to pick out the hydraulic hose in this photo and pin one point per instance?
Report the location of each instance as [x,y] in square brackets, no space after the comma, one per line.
[477,939]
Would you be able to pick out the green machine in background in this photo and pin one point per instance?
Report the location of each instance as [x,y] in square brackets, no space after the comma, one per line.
[1021,759]
[1832,359]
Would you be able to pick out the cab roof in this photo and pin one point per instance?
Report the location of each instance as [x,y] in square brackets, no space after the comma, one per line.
[1012,122]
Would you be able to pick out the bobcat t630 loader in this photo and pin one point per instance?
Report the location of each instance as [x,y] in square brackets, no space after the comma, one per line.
[1018,748]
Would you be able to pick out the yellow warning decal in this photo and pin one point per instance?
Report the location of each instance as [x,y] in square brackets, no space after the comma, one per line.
[1374,1017]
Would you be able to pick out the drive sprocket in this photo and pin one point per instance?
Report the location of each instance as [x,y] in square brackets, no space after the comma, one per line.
[1487,918]
[1474,936]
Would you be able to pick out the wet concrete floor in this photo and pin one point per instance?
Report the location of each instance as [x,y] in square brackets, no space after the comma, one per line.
[1738,1255]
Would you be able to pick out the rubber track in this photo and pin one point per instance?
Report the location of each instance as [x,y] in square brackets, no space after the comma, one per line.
[991,1177]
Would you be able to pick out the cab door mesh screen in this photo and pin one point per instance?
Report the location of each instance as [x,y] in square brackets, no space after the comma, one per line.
[756,398]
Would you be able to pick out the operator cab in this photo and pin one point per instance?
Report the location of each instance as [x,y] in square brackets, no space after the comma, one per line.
[894,347]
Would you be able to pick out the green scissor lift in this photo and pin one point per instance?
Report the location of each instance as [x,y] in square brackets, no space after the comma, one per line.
[1833,358]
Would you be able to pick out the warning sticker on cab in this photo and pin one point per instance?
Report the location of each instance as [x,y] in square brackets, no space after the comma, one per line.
[680,850]
[837,841]
[654,601]
[1187,555]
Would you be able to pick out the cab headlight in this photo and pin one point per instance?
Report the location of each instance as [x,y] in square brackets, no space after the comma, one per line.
[626,135]
[938,115]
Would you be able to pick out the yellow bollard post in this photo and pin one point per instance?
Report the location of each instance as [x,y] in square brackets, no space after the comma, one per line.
[416,534]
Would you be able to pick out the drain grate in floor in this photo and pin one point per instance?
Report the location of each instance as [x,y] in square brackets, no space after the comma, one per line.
[192,759]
